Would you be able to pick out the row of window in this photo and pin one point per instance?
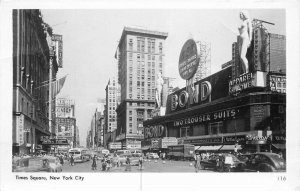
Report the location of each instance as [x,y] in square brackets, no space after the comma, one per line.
[142,57]
[140,45]
[213,129]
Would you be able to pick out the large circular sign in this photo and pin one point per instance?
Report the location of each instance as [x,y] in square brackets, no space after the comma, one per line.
[189,59]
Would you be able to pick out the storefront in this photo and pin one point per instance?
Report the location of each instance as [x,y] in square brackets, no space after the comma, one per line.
[217,118]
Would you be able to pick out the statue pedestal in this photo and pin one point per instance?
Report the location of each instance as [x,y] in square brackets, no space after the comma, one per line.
[159,112]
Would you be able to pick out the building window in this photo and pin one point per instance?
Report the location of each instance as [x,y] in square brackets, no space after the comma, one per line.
[138,45]
[130,44]
[153,46]
[130,112]
[130,118]
[160,48]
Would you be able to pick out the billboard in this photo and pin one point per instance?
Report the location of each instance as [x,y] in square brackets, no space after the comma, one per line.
[204,91]
[64,107]
[189,59]
[115,145]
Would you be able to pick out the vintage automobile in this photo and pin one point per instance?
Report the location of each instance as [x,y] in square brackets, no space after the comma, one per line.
[32,164]
[223,162]
[152,156]
[265,162]
[54,163]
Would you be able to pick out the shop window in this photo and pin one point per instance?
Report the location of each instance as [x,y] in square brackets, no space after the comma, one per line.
[277,124]
[185,132]
[215,128]
[199,130]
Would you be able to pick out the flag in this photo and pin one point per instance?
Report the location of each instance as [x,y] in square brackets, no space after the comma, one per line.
[57,86]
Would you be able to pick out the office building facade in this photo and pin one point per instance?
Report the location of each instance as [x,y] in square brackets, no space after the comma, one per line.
[140,58]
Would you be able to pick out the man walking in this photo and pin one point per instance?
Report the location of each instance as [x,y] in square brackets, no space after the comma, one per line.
[197,162]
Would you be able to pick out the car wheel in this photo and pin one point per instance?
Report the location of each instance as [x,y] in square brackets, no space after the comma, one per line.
[266,168]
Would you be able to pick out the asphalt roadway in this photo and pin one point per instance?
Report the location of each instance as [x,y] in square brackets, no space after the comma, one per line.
[148,166]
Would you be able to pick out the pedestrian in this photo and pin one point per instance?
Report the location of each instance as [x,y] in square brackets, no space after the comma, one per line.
[141,162]
[72,160]
[128,166]
[164,156]
[103,164]
[108,166]
[94,163]
[197,162]
[61,160]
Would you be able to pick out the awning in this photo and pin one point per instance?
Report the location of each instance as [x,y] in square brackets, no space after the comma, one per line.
[197,148]
[230,147]
[209,148]
[279,146]
[145,148]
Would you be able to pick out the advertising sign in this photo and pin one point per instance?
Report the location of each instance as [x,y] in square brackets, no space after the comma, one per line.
[277,83]
[55,142]
[217,140]
[167,141]
[204,91]
[154,143]
[59,48]
[233,139]
[133,144]
[115,145]
[20,129]
[247,80]
[64,107]
[189,59]
[201,118]
[65,127]
[154,131]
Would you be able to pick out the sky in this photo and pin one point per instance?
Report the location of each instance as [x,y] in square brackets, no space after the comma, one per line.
[90,39]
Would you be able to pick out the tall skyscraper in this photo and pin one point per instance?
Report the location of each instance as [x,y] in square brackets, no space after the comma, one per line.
[112,101]
[140,58]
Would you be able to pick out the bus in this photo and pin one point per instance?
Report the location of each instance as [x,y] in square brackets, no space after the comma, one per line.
[79,154]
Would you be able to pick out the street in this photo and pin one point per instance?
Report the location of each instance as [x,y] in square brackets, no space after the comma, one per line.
[152,166]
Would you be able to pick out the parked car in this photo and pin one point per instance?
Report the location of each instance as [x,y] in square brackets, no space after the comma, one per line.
[137,153]
[265,162]
[32,164]
[152,156]
[54,164]
[223,162]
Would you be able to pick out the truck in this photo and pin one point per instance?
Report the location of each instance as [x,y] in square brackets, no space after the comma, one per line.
[181,152]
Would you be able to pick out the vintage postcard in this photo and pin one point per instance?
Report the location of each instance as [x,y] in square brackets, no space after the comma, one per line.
[150,95]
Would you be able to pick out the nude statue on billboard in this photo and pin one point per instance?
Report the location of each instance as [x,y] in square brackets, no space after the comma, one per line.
[246,37]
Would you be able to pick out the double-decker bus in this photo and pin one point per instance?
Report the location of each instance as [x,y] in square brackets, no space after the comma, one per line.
[79,154]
